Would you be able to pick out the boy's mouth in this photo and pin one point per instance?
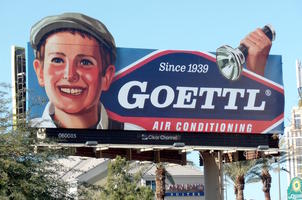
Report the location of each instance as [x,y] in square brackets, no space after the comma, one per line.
[71,91]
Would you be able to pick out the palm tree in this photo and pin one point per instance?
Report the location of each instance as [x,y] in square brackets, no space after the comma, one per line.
[160,181]
[161,174]
[239,174]
[261,172]
[266,181]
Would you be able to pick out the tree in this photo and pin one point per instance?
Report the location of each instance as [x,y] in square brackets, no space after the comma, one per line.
[24,173]
[266,181]
[120,184]
[161,174]
[160,177]
[239,174]
[260,171]
[262,168]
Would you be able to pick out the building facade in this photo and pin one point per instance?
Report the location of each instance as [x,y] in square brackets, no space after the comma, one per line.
[293,133]
[186,182]
[293,143]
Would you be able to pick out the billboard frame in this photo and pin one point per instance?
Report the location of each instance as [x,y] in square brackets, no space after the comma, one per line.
[159,139]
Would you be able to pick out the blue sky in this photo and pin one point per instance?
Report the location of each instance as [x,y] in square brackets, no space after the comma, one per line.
[171,24]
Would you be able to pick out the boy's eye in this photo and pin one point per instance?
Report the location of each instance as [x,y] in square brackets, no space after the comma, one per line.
[86,62]
[57,60]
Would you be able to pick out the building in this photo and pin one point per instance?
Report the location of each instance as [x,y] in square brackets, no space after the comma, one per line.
[293,143]
[185,182]
[293,133]
[76,169]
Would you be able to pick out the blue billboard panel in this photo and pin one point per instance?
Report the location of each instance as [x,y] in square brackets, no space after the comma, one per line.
[157,90]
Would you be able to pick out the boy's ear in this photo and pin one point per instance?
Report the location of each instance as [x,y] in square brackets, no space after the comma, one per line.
[107,77]
[39,72]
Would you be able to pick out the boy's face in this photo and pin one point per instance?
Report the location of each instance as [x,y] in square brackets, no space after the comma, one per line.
[71,72]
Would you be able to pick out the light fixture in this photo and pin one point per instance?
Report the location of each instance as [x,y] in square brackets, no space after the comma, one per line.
[262,147]
[179,144]
[230,60]
[91,143]
[146,149]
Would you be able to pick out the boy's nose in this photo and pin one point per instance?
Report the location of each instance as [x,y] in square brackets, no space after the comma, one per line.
[70,72]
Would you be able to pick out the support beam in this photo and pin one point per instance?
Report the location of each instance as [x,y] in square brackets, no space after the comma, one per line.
[157,156]
[213,190]
[129,154]
[220,174]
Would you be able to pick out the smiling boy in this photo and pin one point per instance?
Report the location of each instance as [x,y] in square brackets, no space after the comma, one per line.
[74,63]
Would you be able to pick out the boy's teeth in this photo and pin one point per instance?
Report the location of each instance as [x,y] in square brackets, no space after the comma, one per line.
[72,91]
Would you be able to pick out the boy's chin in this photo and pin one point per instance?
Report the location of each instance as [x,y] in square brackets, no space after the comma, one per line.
[76,110]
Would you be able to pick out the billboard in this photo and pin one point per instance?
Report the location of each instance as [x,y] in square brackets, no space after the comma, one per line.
[171,90]
[147,89]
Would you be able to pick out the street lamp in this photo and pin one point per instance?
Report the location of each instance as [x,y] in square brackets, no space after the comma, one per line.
[279,170]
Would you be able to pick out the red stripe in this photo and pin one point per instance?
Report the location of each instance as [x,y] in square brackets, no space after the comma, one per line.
[255,78]
[178,124]
[213,59]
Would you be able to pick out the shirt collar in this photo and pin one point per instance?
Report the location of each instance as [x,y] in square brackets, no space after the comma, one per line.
[102,124]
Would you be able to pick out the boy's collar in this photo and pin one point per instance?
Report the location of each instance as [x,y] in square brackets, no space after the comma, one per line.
[103,122]
[103,117]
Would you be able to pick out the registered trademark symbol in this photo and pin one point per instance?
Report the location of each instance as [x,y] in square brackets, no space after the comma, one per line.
[268,92]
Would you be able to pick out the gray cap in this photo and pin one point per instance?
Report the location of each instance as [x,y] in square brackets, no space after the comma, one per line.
[73,21]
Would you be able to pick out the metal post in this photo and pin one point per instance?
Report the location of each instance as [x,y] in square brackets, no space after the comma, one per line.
[226,189]
[279,180]
[220,175]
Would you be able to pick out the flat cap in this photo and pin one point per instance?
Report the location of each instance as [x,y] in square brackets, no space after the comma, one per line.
[75,21]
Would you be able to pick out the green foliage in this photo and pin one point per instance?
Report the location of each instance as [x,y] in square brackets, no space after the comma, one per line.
[28,172]
[260,165]
[239,174]
[251,171]
[24,172]
[240,168]
[120,185]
